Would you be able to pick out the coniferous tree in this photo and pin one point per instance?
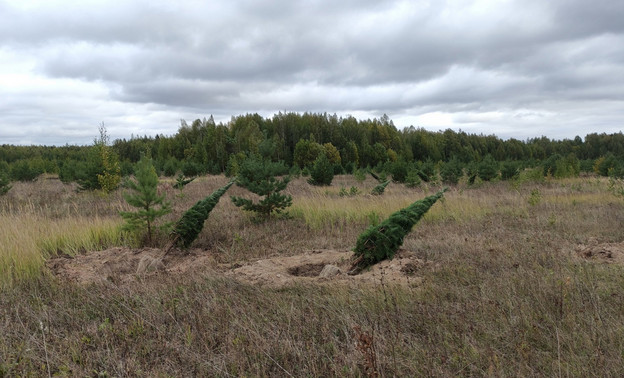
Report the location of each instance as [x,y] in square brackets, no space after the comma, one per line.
[381,242]
[145,198]
[102,166]
[181,181]
[379,189]
[259,177]
[451,171]
[488,168]
[322,172]
[192,221]
[4,183]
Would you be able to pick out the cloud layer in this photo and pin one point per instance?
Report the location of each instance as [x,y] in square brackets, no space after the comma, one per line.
[511,68]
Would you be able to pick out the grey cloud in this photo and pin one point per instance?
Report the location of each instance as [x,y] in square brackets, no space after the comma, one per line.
[373,56]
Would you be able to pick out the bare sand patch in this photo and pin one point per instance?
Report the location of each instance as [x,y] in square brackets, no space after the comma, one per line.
[125,265]
[612,253]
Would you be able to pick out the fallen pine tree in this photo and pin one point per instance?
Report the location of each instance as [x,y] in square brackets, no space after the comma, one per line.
[192,221]
[381,242]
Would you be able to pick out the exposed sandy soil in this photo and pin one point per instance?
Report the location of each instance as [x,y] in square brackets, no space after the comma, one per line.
[602,252]
[123,265]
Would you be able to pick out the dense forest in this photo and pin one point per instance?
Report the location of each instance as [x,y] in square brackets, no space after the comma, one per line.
[297,140]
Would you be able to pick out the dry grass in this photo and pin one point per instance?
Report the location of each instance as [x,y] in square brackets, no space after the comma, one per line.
[503,293]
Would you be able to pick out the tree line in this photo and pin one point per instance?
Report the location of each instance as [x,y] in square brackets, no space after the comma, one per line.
[205,147]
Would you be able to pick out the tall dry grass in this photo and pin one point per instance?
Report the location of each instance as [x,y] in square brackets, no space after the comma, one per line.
[503,293]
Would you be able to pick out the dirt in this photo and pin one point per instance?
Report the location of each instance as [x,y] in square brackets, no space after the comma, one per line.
[124,266]
[612,253]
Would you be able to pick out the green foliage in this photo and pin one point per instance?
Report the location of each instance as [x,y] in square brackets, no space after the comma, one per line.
[259,177]
[381,242]
[102,169]
[188,227]
[171,167]
[191,168]
[398,170]
[306,152]
[71,170]
[332,154]
[427,171]
[4,182]
[531,175]
[110,178]
[359,175]
[379,189]
[234,163]
[322,173]
[145,198]
[25,170]
[609,165]
[181,181]
[412,179]
[616,186]
[451,171]
[353,191]
[568,166]
[488,168]
[510,170]
[535,197]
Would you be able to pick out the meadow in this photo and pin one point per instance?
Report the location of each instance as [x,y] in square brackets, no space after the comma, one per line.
[504,291]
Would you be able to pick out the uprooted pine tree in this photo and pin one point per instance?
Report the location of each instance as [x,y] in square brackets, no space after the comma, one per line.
[192,221]
[381,242]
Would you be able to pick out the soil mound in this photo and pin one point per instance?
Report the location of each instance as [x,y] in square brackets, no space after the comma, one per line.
[125,265]
[307,267]
[602,252]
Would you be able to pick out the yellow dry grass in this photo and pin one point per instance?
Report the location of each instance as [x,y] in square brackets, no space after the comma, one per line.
[27,239]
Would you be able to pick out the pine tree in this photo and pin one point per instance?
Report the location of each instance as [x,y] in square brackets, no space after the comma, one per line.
[488,168]
[259,177]
[381,242]
[322,172]
[451,171]
[102,166]
[181,181]
[192,221]
[379,189]
[4,183]
[144,197]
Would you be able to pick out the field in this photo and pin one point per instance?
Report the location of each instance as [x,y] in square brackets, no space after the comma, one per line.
[498,279]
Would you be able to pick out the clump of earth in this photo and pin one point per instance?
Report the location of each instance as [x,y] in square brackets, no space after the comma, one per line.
[602,252]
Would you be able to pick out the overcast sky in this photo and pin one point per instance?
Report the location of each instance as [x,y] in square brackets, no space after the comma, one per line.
[521,69]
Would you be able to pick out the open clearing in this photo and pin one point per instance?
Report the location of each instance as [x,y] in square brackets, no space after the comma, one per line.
[498,279]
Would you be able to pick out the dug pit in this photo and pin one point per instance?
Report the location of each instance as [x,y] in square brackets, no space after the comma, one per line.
[122,266]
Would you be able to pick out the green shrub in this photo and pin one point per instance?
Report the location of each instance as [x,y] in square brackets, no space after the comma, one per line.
[381,242]
[191,168]
[170,167]
[23,170]
[451,171]
[398,170]
[413,179]
[427,171]
[510,170]
[4,183]
[322,172]
[488,168]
